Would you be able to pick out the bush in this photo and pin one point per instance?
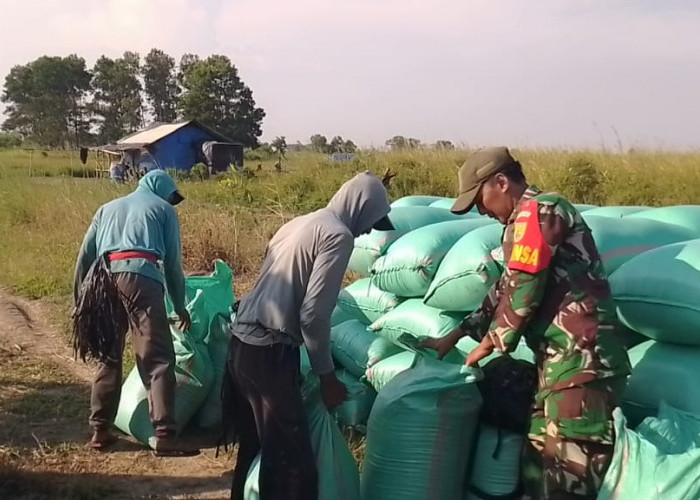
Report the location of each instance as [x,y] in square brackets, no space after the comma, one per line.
[580,181]
[10,141]
[200,172]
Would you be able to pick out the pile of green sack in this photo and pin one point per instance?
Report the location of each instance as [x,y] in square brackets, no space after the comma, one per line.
[423,278]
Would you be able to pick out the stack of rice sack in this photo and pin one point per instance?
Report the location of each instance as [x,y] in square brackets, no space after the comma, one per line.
[658,296]
[423,278]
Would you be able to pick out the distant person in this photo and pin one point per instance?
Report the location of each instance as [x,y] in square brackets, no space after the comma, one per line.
[138,236]
[117,172]
[555,294]
[291,305]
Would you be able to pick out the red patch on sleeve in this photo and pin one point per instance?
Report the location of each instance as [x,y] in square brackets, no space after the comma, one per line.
[531,253]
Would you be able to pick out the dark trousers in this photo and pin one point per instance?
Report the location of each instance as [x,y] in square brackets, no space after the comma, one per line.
[155,358]
[269,417]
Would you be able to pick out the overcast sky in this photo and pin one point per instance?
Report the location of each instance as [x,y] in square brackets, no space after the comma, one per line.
[479,72]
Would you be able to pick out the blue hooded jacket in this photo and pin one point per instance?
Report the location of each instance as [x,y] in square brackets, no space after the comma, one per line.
[141,221]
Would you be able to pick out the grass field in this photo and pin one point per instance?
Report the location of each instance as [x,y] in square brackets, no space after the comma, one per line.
[45,208]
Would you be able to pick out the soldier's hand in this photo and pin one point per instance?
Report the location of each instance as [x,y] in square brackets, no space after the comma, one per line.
[185,320]
[333,391]
[443,345]
[480,352]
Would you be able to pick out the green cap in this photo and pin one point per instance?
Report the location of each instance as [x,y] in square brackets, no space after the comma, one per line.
[476,170]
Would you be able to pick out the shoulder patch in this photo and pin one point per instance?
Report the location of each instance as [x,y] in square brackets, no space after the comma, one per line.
[530,253]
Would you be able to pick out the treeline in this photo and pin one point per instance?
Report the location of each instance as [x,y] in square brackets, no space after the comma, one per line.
[319,143]
[58,102]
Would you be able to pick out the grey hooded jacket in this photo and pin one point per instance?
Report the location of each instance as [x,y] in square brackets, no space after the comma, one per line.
[303,269]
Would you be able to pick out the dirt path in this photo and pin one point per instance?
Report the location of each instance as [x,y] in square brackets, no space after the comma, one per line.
[44,402]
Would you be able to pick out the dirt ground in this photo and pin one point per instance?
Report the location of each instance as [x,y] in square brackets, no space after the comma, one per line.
[44,405]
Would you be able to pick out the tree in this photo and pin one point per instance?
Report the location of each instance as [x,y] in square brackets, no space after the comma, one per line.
[46,101]
[186,61]
[337,145]
[319,143]
[350,146]
[117,99]
[214,94]
[446,145]
[279,145]
[399,142]
[160,84]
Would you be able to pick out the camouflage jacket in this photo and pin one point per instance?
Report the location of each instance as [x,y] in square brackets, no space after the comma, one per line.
[554,292]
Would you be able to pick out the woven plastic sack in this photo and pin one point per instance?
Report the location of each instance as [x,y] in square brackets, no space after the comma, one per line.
[365,302]
[619,240]
[583,207]
[467,271]
[412,261]
[415,201]
[383,372]
[370,247]
[217,300]
[355,349]
[682,215]
[415,318]
[496,463]
[419,433]
[657,293]
[613,211]
[661,372]
[355,409]
[209,414]
[445,203]
[339,316]
[338,477]
[194,376]
[645,466]
[465,345]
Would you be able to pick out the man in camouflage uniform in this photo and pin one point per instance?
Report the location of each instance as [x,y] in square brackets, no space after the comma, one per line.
[553,292]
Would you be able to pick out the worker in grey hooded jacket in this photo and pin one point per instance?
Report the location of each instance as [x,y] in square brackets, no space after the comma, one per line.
[290,305]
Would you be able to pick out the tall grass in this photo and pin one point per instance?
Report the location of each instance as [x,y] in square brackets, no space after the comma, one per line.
[45,209]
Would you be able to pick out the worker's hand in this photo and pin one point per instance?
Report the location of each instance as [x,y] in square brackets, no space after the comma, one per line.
[333,391]
[480,352]
[185,320]
[445,344]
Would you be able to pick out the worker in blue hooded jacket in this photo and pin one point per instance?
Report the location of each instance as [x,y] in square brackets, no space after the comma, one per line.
[140,236]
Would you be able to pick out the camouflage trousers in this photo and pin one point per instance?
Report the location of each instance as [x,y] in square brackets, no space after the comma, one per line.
[572,432]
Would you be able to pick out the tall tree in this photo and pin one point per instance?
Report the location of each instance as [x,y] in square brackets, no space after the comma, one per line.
[280,145]
[214,94]
[46,101]
[160,85]
[117,98]
[337,145]
[400,142]
[319,143]
[442,144]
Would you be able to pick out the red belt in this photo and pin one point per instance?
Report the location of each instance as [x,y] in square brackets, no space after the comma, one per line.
[134,254]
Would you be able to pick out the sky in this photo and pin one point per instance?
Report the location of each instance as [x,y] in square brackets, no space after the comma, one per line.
[523,73]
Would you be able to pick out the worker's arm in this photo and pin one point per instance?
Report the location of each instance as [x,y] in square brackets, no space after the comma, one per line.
[542,229]
[86,256]
[320,298]
[172,262]
[475,324]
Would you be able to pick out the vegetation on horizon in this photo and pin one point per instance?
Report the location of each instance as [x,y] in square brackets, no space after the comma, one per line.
[45,208]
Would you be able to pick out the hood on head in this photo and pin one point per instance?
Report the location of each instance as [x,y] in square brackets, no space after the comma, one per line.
[360,203]
[161,184]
